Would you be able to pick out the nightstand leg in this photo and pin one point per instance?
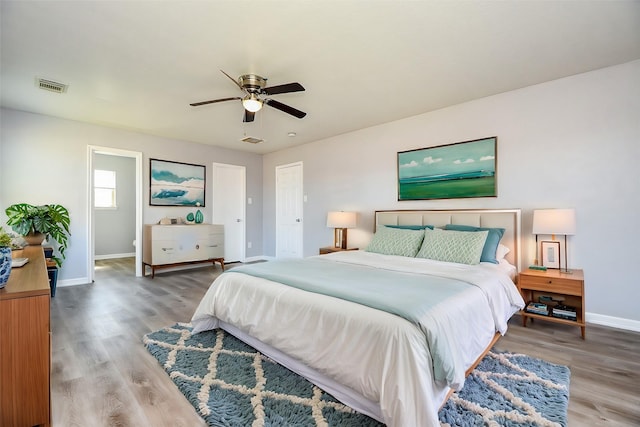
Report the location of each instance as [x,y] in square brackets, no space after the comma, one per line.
[583,331]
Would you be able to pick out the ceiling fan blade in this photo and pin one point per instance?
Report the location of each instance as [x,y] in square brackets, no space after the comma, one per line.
[283,107]
[233,80]
[196,104]
[248,116]
[286,88]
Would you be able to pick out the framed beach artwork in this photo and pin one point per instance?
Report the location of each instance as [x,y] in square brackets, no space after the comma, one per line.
[460,170]
[176,184]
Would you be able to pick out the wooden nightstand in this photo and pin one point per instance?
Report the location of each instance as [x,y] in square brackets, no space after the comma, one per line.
[330,249]
[534,283]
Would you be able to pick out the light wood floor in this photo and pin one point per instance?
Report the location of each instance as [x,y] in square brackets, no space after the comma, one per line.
[103,376]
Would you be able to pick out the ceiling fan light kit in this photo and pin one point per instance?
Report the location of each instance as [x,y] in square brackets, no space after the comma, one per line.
[252,103]
[253,87]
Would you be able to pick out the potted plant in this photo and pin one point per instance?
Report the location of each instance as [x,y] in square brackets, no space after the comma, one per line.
[5,257]
[44,221]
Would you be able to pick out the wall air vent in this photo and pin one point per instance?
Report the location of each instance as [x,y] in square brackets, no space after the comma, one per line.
[51,86]
[252,140]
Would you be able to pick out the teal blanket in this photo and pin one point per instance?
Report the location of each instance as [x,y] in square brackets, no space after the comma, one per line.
[408,295]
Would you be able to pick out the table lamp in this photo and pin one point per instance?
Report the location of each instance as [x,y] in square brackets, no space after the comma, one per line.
[555,221]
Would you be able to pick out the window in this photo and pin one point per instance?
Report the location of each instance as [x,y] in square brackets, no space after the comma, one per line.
[104,189]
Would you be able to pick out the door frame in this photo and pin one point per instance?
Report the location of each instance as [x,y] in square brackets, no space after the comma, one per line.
[243,251]
[91,232]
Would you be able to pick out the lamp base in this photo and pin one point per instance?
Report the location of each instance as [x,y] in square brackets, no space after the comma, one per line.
[340,238]
[566,259]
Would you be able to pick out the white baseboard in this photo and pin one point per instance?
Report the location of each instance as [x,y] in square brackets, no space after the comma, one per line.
[614,322]
[113,256]
[73,282]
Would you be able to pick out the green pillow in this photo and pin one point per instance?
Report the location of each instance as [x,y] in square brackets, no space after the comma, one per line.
[490,246]
[396,241]
[463,247]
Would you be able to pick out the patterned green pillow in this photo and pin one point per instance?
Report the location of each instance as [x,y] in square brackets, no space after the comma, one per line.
[396,241]
[463,247]
[490,246]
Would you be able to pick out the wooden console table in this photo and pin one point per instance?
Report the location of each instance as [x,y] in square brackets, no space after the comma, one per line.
[25,340]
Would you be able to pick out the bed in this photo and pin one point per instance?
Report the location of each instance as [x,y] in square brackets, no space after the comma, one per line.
[395,358]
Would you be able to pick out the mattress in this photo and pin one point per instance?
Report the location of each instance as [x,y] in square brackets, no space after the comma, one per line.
[374,361]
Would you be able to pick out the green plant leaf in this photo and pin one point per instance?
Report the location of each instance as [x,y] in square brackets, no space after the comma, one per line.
[51,220]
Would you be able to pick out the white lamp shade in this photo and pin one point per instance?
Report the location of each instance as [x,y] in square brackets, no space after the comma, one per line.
[341,219]
[554,221]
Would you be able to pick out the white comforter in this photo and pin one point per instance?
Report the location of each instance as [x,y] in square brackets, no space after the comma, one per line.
[379,355]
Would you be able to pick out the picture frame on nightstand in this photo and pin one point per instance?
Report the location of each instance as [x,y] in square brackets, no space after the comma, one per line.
[550,253]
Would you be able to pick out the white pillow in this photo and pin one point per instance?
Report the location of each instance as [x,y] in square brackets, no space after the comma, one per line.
[463,247]
[502,251]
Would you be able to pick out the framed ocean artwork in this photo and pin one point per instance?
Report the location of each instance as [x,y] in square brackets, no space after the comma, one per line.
[176,184]
[460,170]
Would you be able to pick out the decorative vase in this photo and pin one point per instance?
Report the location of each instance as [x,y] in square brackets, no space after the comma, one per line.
[190,218]
[199,217]
[34,239]
[5,265]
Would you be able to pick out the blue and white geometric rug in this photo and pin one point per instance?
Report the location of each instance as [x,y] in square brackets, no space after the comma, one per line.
[231,384]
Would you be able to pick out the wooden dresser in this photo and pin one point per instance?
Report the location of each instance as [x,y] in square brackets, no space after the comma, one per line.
[25,343]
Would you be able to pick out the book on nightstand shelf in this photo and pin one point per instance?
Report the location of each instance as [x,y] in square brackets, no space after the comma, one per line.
[537,308]
[564,312]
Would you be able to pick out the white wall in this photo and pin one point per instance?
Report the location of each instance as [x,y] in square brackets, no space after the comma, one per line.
[573,142]
[44,160]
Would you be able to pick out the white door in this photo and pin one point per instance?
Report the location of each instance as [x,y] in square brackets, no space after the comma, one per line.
[289,208]
[229,209]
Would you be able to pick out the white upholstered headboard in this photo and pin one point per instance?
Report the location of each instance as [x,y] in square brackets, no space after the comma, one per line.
[509,219]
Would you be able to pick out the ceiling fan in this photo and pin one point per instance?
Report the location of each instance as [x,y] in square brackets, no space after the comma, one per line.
[253,87]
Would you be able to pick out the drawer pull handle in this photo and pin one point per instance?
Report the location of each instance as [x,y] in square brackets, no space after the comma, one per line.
[197,246]
[550,282]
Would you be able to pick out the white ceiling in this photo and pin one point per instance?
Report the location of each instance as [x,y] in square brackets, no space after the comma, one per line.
[138,64]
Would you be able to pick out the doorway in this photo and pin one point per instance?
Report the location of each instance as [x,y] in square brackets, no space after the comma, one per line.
[95,157]
[289,210]
[229,190]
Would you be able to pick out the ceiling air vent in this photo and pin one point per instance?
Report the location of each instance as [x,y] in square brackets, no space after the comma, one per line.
[252,140]
[51,86]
